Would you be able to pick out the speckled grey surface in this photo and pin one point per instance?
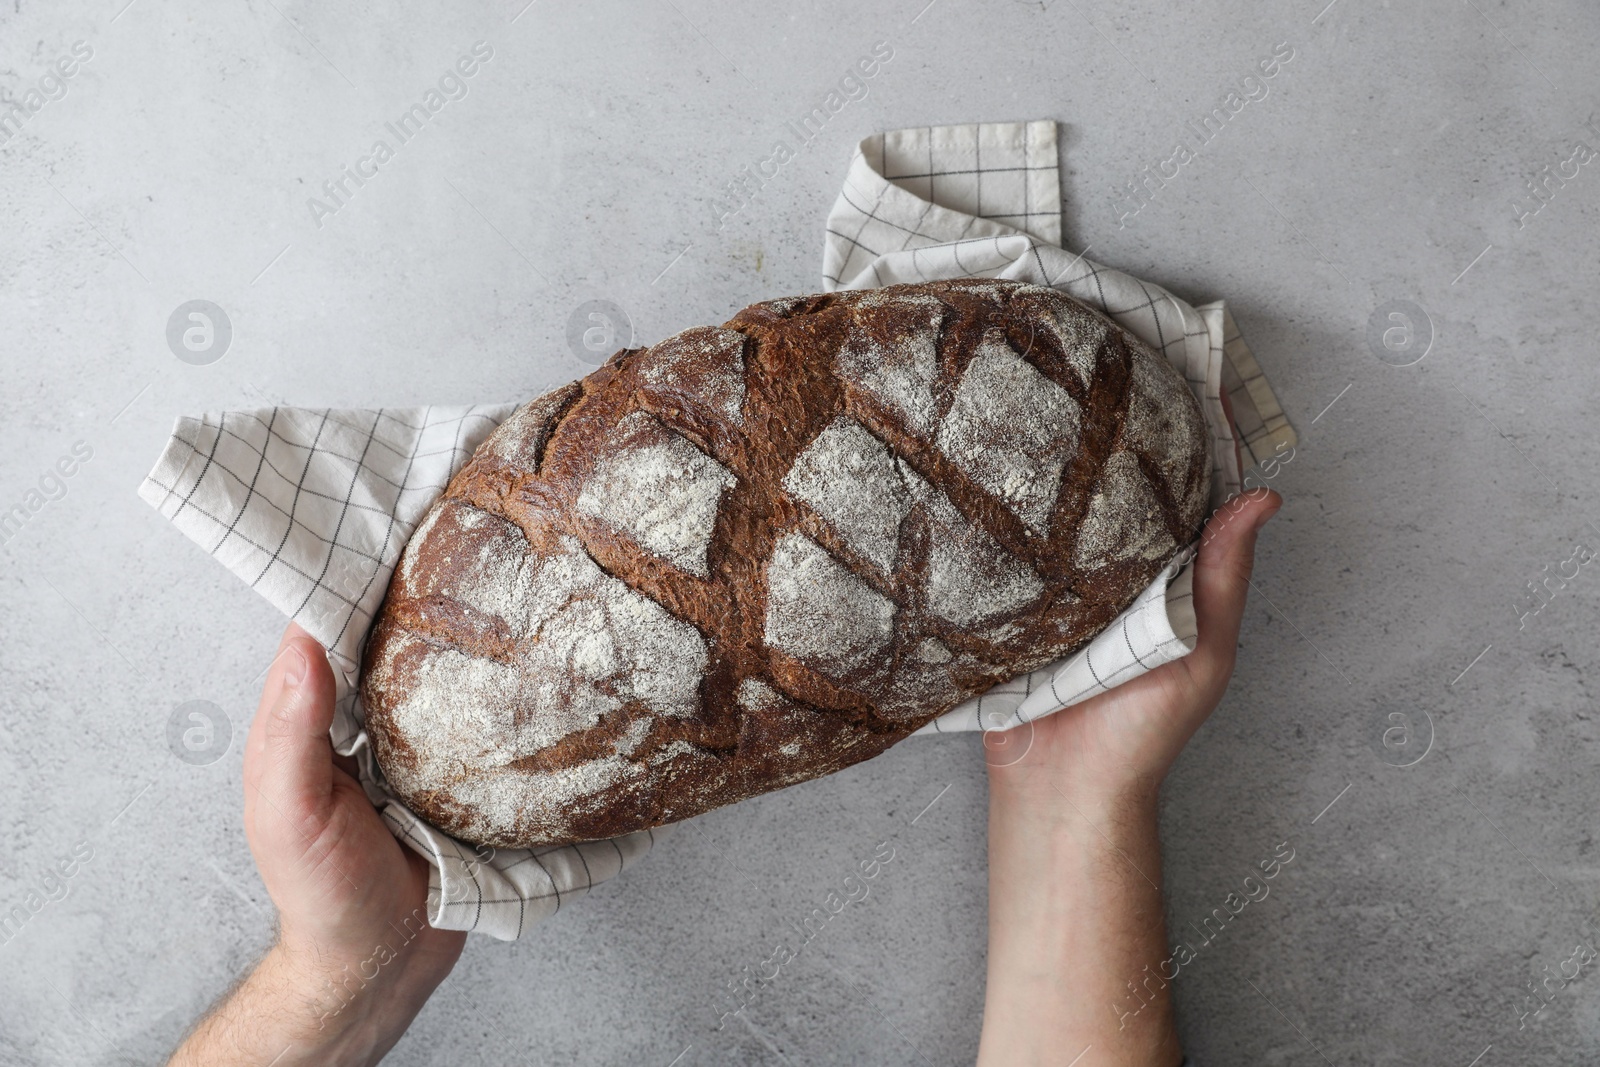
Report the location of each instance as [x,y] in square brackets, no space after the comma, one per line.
[1386,163]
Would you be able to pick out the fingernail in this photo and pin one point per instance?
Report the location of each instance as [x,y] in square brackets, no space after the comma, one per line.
[294,667]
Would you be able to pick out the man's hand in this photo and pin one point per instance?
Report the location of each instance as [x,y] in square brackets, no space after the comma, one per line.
[1077,941]
[355,958]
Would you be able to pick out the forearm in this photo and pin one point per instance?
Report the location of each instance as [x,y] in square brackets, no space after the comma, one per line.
[1076,932]
[290,1012]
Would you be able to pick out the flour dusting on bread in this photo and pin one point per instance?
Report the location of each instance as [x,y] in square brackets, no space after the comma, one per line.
[971,578]
[819,612]
[451,710]
[1125,519]
[704,363]
[592,640]
[1012,429]
[520,440]
[755,695]
[848,476]
[484,568]
[896,359]
[660,489]
[1079,332]
[1160,424]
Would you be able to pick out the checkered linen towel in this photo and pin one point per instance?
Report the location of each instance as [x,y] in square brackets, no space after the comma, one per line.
[313,507]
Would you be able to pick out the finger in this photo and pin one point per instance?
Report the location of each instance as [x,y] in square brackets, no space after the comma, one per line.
[255,744]
[1222,578]
[289,758]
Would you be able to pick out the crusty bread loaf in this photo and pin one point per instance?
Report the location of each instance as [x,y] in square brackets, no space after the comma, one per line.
[758,553]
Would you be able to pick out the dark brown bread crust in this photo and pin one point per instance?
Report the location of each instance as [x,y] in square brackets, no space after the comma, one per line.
[754,555]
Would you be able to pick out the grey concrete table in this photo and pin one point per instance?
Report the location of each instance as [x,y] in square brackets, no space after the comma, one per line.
[1415,158]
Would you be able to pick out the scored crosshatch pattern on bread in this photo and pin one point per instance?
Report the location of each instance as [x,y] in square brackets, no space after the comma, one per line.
[328,577]
[562,652]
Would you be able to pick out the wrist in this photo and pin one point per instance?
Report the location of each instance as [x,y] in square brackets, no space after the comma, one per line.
[353,1005]
[1042,796]
[320,1020]
[280,1015]
[313,977]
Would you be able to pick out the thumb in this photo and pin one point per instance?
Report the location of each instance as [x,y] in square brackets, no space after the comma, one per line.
[289,758]
[1222,573]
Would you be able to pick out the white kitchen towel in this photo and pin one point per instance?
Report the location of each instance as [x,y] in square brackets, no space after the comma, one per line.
[312,507]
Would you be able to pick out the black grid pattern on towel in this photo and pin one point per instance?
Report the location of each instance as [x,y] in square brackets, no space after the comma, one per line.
[282,484]
[1107,678]
[1019,185]
[526,883]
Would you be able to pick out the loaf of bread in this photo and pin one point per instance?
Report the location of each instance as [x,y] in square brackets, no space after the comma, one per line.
[758,553]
